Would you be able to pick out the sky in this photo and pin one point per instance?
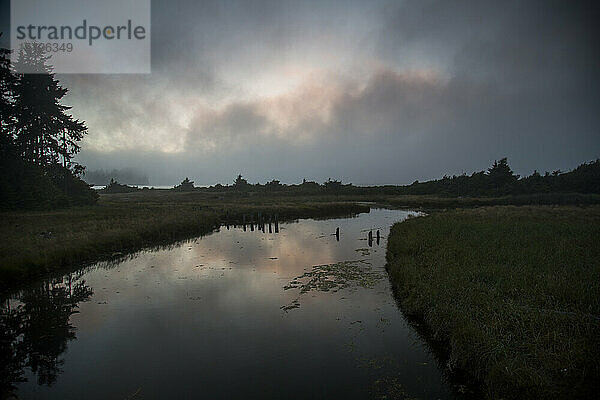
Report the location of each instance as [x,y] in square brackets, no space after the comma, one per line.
[368,92]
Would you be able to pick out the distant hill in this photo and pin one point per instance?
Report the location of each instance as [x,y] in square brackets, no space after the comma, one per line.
[126,176]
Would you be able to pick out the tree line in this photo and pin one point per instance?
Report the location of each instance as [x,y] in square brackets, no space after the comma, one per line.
[500,180]
[497,181]
[38,137]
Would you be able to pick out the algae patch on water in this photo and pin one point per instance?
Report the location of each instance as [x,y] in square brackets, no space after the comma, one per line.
[334,277]
[363,251]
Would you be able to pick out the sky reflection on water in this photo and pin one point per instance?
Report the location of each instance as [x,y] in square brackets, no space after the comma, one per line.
[205,319]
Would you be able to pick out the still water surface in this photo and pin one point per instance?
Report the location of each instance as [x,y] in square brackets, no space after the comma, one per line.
[235,314]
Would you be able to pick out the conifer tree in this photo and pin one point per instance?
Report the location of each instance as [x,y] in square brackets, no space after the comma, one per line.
[38,138]
[7,115]
[45,134]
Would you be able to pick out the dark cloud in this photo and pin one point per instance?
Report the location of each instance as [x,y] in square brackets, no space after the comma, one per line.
[370,92]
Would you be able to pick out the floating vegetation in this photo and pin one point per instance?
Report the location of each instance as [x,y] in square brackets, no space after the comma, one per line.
[334,277]
[291,306]
[363,252]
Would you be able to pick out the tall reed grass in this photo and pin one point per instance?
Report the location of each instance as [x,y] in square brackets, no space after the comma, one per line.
[513,292]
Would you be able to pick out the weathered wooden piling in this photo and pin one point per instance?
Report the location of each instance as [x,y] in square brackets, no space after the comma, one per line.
[337,233]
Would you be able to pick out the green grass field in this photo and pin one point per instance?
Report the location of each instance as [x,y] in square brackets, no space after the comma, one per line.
[512,292]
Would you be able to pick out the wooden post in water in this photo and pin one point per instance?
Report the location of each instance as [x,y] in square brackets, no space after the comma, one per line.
[371,238]
[337,233]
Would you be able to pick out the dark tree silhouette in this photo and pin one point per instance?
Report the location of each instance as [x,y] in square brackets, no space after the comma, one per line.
[115,187]
[497,181]
[274,185]
[332,185]
[501,177]
[44,133]
[186,185]
[38,138]
[7,112]
[241,184]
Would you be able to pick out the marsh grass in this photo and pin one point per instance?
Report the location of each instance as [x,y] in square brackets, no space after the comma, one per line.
[37,243]
[513,292]
[437,202]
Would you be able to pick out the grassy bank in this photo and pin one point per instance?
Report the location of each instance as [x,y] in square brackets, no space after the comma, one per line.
[38,242]
[513,292]
[437,202]
[35,243]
